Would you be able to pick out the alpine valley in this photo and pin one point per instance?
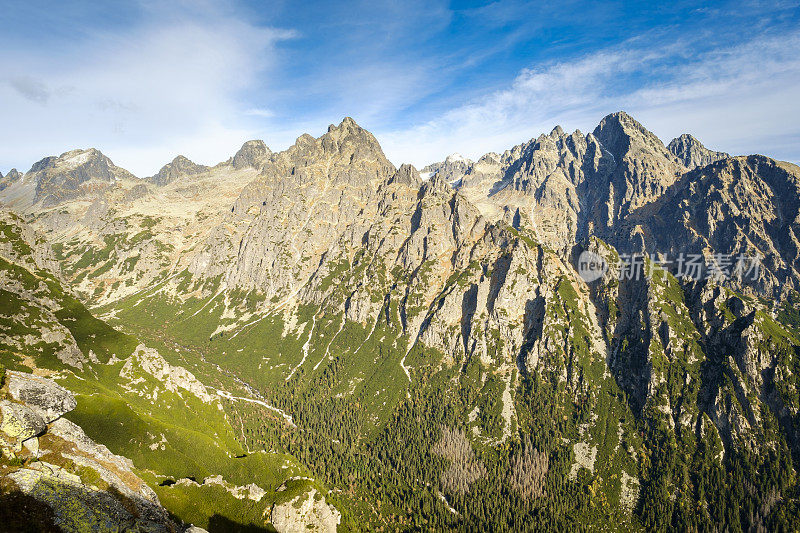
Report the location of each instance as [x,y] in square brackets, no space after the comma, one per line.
[316,339]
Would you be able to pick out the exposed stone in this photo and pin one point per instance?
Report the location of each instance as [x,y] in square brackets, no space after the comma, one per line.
[692,153]
[307,511]
[252,154]
[20,422]
[179,167]
[46,398]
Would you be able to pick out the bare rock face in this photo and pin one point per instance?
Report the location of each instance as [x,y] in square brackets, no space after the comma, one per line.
[174,378]
[87,487]
[739,207]
[643,170]
[315,189]
[25,282]
[451,170]
[46,398]
[692,153]
[306,512]
[568,186]
[72,174]
[9,179]
[252,154]
[20,422]
[176,169]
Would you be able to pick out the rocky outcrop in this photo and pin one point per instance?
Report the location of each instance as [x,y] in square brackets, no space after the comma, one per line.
[85,486]
[305,512]
[46,398]
[174,378]
[643,169]
[20,423]
[179,167]
[316,188]
[33,294]
[9,179]
[727,212]
[451,170]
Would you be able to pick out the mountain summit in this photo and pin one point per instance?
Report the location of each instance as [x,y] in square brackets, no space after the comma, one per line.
[692,153]
[175,169]
[68,175]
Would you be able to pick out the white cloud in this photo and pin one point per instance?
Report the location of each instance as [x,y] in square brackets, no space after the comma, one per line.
[169,85]
[740,99]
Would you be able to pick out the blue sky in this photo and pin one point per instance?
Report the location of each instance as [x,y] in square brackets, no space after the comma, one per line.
[144,81]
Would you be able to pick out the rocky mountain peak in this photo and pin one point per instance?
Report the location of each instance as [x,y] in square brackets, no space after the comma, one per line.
[252,154]
[642,168]
[10,178]
[407,175]
[179,167]
[692,153]
[63,177]
[348,144]
[457,158]
[619,132]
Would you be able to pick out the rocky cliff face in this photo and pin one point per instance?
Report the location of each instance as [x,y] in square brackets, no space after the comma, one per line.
[9,179]
[731,210]
[315,189]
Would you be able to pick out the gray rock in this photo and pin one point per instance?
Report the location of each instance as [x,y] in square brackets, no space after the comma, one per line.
[252,154]
[45,397]
[9,179]
[306,512]
[62,178]
[692,153]
[179,167]
[20,422]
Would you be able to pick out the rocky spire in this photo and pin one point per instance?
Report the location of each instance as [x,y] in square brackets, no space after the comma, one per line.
[643,167]
[407,175]
[12,176]
[175,169]
[252,154]
[692,153]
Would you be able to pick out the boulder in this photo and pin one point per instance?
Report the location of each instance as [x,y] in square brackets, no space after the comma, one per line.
[46,398]
[20,422]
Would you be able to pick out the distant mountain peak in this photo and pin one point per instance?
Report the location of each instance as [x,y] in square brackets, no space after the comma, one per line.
[179,167]
[10,178]
[692,153]
[457,158]
[407,175]
[62,178]
[617,130]
[252,154]
[350,138]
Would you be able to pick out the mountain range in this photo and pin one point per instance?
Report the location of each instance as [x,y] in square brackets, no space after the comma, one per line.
[317,338]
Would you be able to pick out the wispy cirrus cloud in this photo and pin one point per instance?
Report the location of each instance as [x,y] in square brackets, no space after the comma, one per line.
[145,80]
[739,98]
[171,83]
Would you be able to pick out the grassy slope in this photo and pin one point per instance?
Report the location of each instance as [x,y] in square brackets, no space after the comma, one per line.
[199,440]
